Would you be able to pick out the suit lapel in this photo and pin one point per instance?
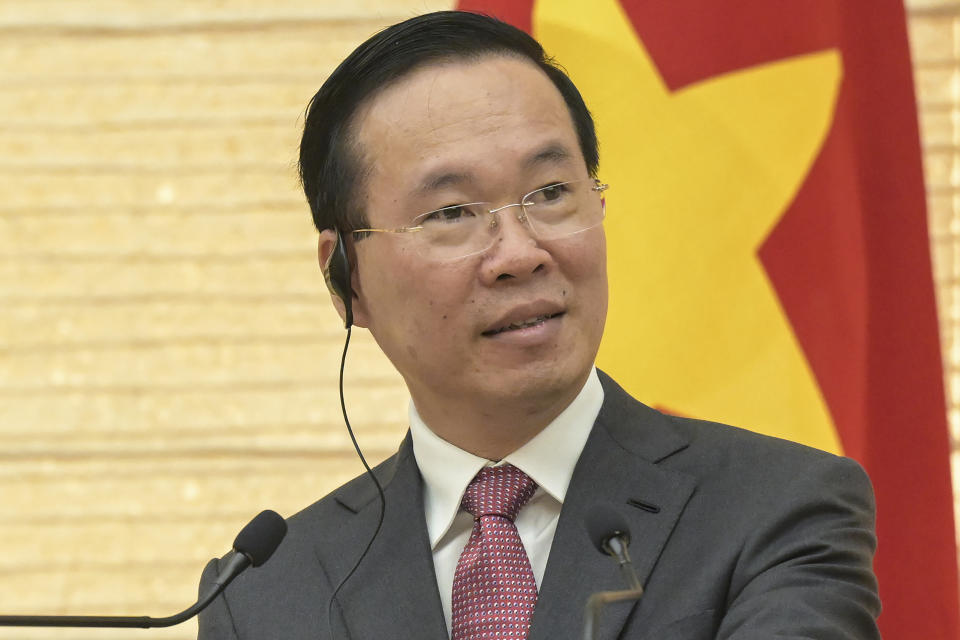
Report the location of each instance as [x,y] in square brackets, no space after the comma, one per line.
[618,467]
[394,593]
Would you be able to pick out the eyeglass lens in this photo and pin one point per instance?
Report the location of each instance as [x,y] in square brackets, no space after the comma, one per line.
[554,211]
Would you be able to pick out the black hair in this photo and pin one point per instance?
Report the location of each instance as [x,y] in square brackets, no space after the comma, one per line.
[330,169]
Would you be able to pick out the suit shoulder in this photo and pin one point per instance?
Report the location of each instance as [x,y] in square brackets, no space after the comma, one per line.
[761,465]
[350,497]
[714,438]
[702,444]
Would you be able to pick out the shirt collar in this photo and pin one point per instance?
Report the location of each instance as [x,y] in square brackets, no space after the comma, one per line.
[549,458]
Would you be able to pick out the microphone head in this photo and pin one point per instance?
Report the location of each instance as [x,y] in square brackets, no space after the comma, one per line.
[603,523]
[261,537]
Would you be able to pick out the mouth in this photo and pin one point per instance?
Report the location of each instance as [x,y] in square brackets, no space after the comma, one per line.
[523,324]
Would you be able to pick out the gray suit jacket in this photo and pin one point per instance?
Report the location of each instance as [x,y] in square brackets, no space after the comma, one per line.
[734,535]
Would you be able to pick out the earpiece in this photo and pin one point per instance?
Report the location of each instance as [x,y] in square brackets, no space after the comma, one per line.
[336,273]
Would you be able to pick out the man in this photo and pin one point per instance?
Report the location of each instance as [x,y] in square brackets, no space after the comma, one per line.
[450,168]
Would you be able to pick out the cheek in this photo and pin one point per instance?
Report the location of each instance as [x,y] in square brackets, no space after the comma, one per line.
[586,270]
[585,263]
[433,328]
[427,300]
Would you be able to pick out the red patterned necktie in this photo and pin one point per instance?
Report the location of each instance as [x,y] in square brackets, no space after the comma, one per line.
[494,591]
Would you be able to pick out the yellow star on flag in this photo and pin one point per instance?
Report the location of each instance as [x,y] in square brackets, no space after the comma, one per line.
[699,178]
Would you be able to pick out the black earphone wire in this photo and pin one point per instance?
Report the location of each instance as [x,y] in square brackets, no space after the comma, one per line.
[376,482]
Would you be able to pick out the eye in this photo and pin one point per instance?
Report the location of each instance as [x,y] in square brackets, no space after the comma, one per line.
[549,194]
[554,191]
[450,215]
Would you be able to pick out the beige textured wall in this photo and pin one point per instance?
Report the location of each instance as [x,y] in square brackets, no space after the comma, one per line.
[168,357]
[935,43]
[168,354]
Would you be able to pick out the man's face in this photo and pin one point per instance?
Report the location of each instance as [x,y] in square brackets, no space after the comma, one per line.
[490,130]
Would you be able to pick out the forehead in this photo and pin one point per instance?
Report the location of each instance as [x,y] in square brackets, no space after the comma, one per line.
[471,119]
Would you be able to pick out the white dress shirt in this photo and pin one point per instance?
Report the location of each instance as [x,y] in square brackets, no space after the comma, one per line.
[549,458]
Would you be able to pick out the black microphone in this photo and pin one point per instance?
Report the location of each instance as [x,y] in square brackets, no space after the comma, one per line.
[253,546]
[611,536]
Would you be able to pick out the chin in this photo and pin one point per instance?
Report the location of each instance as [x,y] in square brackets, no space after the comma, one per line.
[541,380]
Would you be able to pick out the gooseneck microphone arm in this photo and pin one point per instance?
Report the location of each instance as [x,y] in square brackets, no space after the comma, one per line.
[254,545]
[236,564]
[616,546]
[611,536]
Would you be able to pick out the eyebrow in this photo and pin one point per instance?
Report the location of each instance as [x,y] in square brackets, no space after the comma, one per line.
[441,179]
[552,153]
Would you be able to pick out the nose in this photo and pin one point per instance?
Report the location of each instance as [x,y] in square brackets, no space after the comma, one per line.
[515,254]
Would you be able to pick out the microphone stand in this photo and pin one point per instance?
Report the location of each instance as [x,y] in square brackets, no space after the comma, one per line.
[253,546]
[237,563]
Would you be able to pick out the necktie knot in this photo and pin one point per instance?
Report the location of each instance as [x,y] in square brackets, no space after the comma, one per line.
[500,491]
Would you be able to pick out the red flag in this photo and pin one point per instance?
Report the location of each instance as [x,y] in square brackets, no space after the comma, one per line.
[842,261]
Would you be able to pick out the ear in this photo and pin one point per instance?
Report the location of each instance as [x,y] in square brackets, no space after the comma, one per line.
[341,277]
